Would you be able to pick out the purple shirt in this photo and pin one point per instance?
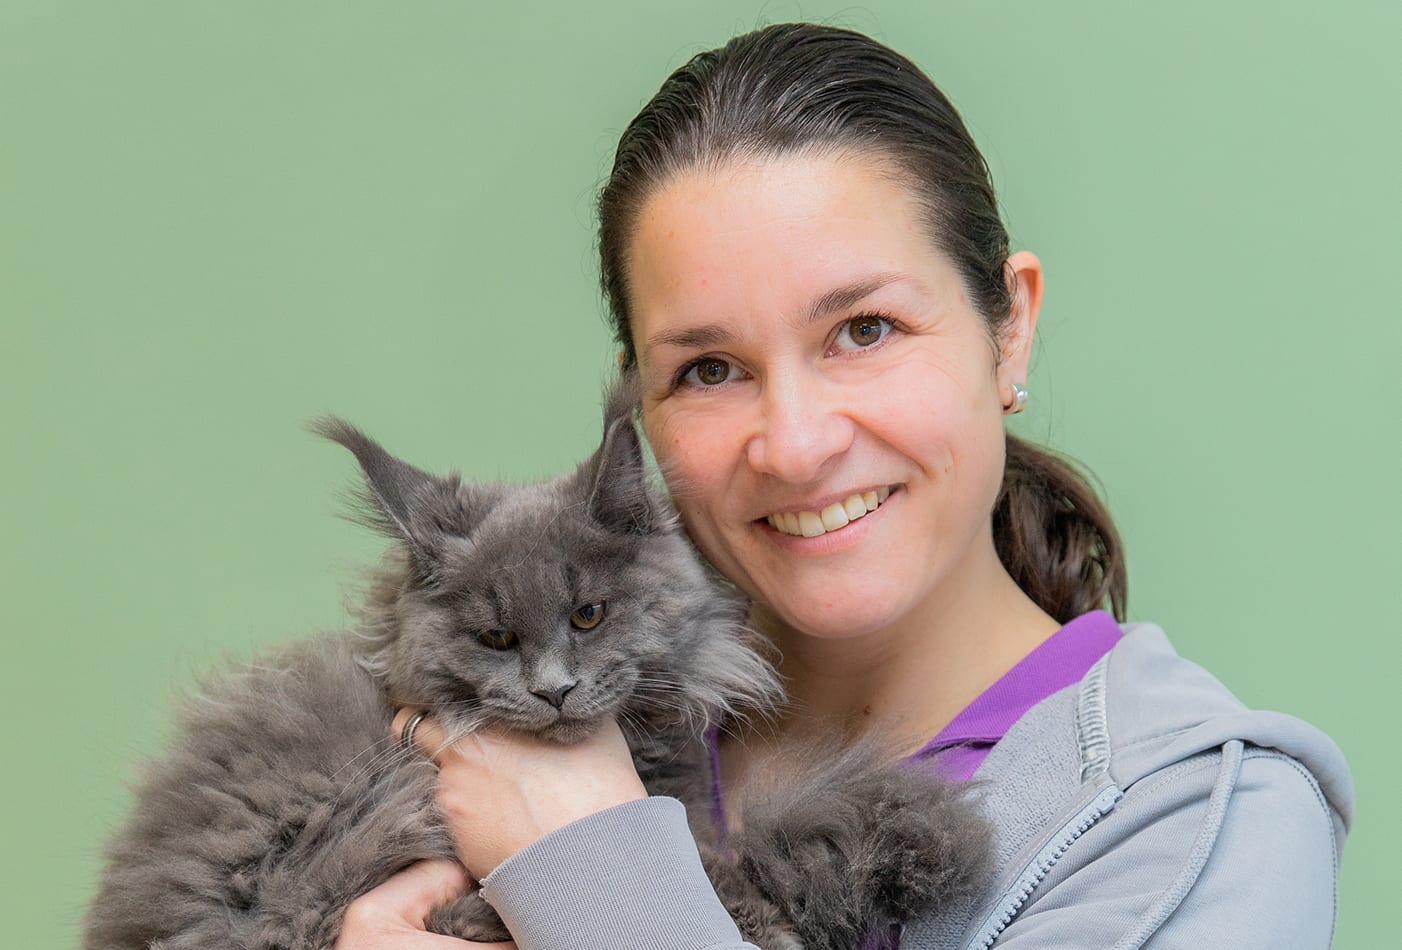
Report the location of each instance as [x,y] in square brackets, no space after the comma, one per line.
[1062,659]
[960,748]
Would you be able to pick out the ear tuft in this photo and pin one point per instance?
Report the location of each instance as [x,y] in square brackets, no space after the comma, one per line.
[391,482]
[401,501]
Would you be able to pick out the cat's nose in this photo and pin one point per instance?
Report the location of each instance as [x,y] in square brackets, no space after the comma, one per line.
[556,696]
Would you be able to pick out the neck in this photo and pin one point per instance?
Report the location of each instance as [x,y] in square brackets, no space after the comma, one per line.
[912,677]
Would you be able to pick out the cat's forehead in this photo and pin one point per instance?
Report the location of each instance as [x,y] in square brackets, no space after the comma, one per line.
[534,524]
[535,509]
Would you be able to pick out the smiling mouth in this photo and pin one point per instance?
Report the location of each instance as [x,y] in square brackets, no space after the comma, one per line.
[810,524]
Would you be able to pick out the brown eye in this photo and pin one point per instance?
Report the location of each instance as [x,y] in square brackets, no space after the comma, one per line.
[498,639]
[587,617]
[864,331]
[710,372]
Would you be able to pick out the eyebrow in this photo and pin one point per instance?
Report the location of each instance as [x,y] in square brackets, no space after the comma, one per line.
[839,298]
[690,338]
[848,294]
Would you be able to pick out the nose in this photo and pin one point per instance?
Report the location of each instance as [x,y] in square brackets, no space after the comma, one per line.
[556,696]
[801,427]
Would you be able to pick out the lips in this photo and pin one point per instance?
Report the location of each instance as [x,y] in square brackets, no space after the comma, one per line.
[810,524]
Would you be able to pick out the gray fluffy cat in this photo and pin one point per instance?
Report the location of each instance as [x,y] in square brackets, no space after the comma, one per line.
[546,608]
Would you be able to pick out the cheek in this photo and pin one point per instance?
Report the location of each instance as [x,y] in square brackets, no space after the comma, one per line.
[918,421]
[956,448]
[698,454]
[693,453]
[938,414]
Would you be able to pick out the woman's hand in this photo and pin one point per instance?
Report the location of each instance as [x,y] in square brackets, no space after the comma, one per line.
[391,917]
[500,792]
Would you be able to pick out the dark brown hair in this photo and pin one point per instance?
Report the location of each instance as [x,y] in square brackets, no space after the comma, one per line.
[801,87]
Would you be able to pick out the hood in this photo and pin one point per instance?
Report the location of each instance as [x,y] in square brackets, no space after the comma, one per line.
[1161,709]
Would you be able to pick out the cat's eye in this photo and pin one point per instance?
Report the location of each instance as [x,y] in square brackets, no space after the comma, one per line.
[587,617]
[498,639]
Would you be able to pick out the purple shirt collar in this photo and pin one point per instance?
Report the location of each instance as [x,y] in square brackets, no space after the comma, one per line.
[1062,659]
[961,746]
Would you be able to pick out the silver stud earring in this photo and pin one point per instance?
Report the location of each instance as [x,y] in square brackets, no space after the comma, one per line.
[1019,400]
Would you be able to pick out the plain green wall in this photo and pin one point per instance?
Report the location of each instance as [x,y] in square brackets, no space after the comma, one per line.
[220,219]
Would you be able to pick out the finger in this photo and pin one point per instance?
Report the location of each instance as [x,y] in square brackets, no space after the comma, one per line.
[412,893]
[428,737]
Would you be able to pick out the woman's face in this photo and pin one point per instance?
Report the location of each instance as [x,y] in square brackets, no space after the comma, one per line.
[824,401]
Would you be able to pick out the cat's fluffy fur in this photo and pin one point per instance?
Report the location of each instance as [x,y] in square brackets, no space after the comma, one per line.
[283,797]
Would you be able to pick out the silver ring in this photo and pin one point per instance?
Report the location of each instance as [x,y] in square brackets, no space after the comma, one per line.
[406,735]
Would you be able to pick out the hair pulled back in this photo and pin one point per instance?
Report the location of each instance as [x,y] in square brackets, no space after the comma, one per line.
[805,88]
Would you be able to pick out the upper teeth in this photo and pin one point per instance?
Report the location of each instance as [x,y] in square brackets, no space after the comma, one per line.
[810,524]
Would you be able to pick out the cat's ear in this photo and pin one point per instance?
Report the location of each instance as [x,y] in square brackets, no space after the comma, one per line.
[402,501]
[619,498]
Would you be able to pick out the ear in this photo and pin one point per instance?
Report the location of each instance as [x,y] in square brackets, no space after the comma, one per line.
[619,498]
[1025,279]
[402,501]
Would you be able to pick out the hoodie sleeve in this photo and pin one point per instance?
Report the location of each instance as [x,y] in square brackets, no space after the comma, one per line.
[629,876]
[1231,848]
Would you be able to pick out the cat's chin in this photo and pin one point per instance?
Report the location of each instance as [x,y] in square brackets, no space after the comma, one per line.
[569,731]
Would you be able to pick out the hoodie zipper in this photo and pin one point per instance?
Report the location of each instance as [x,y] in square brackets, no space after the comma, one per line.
[1012,900]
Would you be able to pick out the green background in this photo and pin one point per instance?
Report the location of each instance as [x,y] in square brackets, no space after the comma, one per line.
[220,219]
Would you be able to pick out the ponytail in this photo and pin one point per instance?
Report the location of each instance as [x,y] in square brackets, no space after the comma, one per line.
[1055,537]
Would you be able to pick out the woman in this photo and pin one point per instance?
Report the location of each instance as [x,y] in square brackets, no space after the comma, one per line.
[804,259]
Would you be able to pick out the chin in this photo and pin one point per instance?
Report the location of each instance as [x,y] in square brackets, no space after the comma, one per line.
[850,611]
[569,731]
[832,624]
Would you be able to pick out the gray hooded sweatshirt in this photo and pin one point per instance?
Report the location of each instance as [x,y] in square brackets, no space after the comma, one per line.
[1143,805]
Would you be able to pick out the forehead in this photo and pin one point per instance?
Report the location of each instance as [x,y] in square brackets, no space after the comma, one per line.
[542,524]
[766,238]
